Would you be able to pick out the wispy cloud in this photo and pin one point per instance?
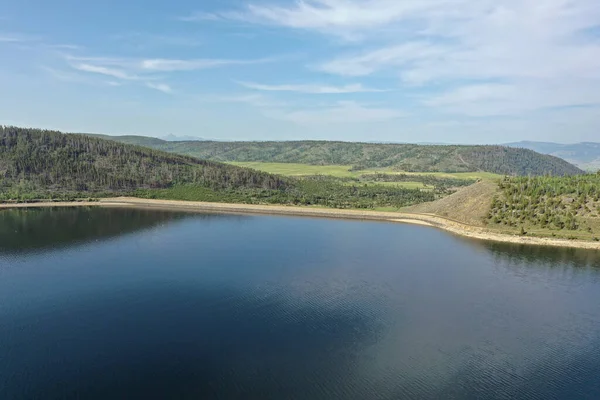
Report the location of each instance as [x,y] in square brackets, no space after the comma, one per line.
[8,39]
[311,89]
[161,87]
[76,77]
[130,66]
[146,40]
[170,65]
[345,112]
[478,100]
[200,16]
[65,46]
[498,52]
[98,69]
[65,76]
[340,17]
[404,55]
[16,38]
[255,100]
[146,71]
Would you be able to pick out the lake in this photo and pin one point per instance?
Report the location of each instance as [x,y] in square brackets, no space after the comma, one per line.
[123,303]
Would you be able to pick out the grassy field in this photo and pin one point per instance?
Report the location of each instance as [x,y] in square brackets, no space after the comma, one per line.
[407,185]
[339,171]
[343,171]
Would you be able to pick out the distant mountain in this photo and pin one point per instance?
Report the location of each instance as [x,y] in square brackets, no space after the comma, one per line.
[405,157]
[149,141]
[145,141]
[585,155]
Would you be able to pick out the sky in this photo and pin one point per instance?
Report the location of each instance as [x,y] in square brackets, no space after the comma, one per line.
[444,71]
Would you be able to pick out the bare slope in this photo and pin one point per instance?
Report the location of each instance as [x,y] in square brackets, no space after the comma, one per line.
[470,205]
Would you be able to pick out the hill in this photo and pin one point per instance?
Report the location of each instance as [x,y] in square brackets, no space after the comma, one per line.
[566,207]
[38,164]
[570,204]
[402,157]
[584,155]
[470,205]
[38,161]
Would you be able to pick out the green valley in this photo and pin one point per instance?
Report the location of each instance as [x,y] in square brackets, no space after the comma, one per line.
[401,157]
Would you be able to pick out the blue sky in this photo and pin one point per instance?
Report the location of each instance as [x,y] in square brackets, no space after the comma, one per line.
[453,71]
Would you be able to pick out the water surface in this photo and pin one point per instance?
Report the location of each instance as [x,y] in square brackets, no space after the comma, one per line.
[111,303]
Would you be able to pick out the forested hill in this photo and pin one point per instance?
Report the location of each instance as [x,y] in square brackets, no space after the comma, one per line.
[37,164]
[405,157]
[34,161]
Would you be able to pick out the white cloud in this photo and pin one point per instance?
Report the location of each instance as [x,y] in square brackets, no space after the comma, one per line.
[340,113]
[200,16]
[65,76]
[98,69]
[65,46]
[145,71]
[512,99]
[15,38]
[169,65]
[311,89]
[146,40]
[76,77]
[369,62]
[340,17]
[255,100]
[473,94]
[162,87]
[496,56]
[9,39]
[128,68]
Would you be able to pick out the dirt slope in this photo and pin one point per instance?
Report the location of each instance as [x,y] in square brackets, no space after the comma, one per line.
[469,205]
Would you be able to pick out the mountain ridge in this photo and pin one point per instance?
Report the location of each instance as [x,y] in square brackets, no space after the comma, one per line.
[406,157]
[585,155]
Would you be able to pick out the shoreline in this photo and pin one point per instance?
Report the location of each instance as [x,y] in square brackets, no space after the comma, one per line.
[430,220]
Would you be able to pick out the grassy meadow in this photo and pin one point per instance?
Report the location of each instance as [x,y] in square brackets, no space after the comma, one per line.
[346,171]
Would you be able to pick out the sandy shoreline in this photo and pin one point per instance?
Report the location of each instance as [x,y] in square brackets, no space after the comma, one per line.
[420,219]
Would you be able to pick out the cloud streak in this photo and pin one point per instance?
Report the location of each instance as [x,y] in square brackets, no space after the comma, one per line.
[161,87]
[339,17]
[145,71]
[98,69]
[480,55]
[311,88]
[150,65]
[174,65]
[344,112]
[16,38]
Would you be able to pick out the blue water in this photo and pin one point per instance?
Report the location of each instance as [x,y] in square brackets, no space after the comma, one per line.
[121,304]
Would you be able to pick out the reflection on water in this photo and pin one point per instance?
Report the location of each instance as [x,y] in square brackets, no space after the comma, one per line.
[277,307]
[546,256]
[24,230]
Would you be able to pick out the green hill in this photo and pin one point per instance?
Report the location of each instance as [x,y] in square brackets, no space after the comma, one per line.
[38,161]
[38,164]
[555,204]
[566,207]
[403,157]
